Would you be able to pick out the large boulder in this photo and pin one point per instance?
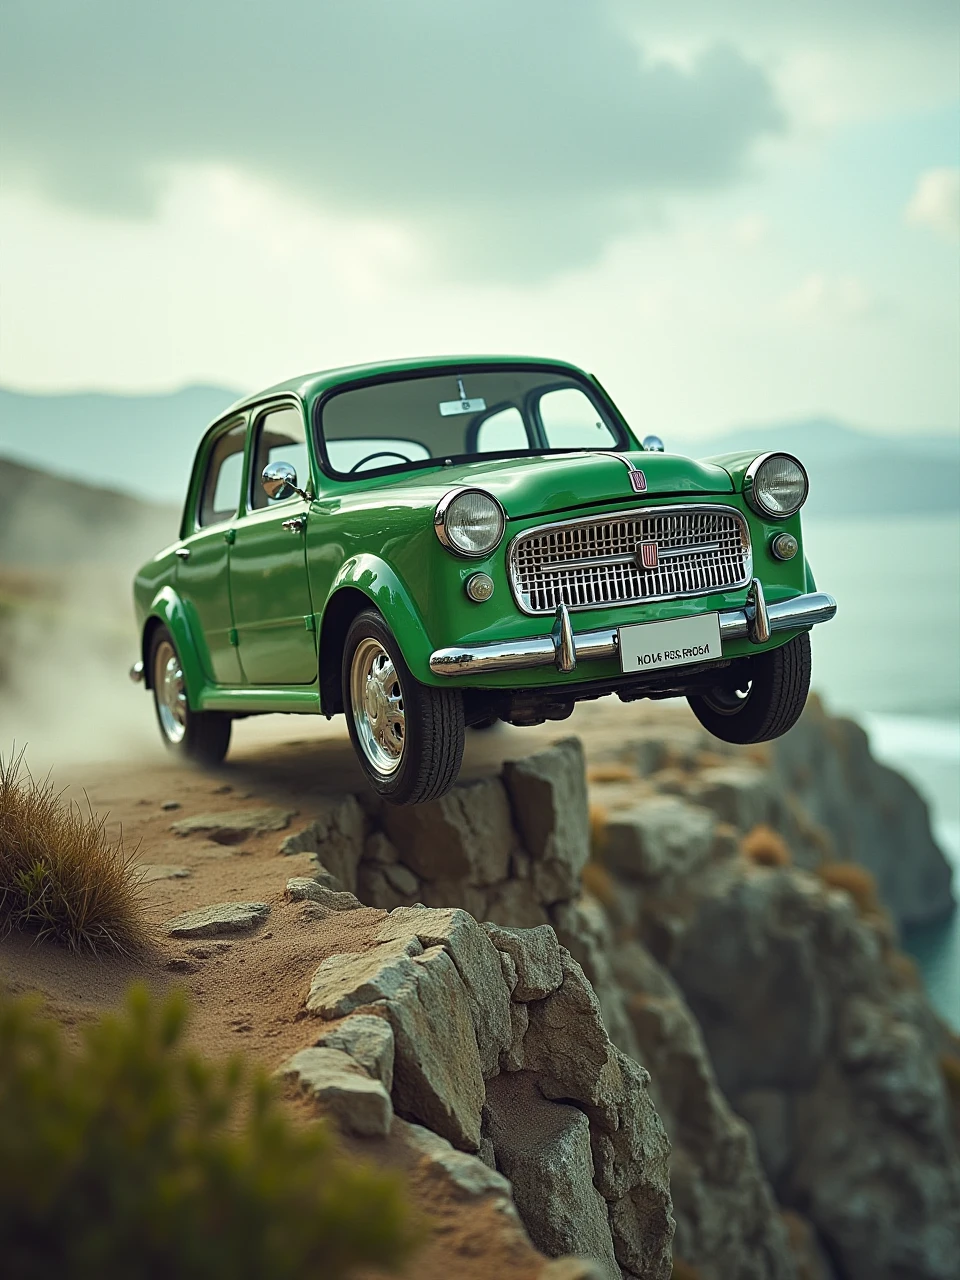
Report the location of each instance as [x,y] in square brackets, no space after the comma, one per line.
[335,839]
[548,792]
[544,1149]
[465,836]
[342,1089]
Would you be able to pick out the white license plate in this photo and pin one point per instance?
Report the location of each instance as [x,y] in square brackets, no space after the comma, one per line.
[650,646]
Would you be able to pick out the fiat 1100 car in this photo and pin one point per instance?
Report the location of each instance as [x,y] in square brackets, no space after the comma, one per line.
[433,544]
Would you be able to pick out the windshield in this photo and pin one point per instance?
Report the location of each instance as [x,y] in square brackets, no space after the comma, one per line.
[413,422]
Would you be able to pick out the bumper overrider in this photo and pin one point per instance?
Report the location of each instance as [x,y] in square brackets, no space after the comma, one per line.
[564,648]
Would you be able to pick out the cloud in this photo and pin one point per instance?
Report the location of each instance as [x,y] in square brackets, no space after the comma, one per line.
[513,132]
[826,298]
[935,203]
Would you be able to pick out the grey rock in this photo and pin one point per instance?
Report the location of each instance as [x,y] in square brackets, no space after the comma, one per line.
[379,848]
[544,1149]
[346,981]
[465,836]
[335,838]
[660,838]
[727,1219]
[368,1040]
[342,1088]
[740,793]
[307,889]
[465,1175]
[170,805]
[478,964]
[147,872]
[222,917]
[548,792]
[566,1042]
[234,827]
[582,927]
[535,954]
[873,815]
[402,879]
[514,904]
[437,1077]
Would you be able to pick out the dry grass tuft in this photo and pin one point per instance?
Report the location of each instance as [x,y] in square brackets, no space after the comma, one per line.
[597,881]
[598,831]
[683,1271]
[950,1070]
[60,876]
[612,771]
[854,880]
[765,847]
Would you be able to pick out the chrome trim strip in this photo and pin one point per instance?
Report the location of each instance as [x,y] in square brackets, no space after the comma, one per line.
[800,613]
[563,642]
[630,513]
[758,619]
[136,673]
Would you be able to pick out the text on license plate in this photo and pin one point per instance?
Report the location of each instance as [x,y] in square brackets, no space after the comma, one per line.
[649,646]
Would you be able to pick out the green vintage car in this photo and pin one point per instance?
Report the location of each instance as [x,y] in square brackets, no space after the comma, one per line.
[427,545]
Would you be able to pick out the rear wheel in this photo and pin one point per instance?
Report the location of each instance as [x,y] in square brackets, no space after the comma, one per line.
[201,736]
[408,736]
[764,700]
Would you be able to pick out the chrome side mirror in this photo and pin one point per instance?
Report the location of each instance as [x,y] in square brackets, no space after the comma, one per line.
[653,444]
[279,480]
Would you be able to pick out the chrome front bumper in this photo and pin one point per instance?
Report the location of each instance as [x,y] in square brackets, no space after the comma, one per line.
[564,648]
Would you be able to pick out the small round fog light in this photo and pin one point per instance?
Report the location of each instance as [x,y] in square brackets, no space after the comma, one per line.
[784,546]
[479,587]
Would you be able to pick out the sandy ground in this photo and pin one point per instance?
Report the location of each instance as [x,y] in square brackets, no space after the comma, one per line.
[248,995]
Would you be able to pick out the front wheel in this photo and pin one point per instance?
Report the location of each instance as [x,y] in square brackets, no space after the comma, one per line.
[408,736]
[764,701]
[200,736]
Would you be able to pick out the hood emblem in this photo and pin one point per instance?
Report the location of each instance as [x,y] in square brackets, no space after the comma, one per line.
[648,555]
[638,481]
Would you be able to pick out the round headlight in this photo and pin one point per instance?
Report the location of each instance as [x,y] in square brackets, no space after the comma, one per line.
[775,485]
[469,522]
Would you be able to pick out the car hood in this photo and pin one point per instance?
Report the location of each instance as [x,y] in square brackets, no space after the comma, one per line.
[559,482]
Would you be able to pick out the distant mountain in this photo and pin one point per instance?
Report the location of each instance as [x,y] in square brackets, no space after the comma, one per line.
[853,472]
[144,445]
[49,522]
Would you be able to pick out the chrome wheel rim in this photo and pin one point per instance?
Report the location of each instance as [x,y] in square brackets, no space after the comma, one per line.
[376,698]
[170,693]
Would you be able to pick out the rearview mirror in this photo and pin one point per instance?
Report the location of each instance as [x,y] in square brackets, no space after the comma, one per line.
[279,480]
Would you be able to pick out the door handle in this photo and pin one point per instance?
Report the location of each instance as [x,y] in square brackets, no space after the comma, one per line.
[183,553]
[296,524]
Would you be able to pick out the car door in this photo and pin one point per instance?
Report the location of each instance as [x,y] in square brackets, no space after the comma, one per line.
[203,556]
[272,608]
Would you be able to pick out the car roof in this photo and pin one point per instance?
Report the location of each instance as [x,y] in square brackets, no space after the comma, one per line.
[309,385]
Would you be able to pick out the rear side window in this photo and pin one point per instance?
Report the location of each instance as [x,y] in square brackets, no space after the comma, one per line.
[220,495]
[278,437]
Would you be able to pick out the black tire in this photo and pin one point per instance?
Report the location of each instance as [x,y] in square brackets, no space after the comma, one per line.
[413,761]
[201,737]
[766,700]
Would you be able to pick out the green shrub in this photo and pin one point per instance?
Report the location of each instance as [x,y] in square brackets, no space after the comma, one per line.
[133,1157]
[60,875]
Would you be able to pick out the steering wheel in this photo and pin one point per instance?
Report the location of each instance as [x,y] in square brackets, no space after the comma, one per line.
[380,453]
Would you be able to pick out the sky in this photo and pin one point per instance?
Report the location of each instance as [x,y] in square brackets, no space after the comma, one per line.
[734,211]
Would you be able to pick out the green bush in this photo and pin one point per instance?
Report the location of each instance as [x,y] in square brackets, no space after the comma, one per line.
[133,1157]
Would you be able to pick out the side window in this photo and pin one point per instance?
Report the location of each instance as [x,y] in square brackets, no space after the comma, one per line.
[503,430]
[220,495]
[278,437]
[571,421]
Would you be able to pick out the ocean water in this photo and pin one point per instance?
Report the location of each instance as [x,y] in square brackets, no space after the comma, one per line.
[891,657]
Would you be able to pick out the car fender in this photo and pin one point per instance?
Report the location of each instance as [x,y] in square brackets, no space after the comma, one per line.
[168,609]
[374,578]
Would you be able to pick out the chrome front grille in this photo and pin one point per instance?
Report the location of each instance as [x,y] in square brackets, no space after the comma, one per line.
[600,560]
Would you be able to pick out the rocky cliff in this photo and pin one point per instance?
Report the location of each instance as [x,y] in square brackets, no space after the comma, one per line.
[670,946]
